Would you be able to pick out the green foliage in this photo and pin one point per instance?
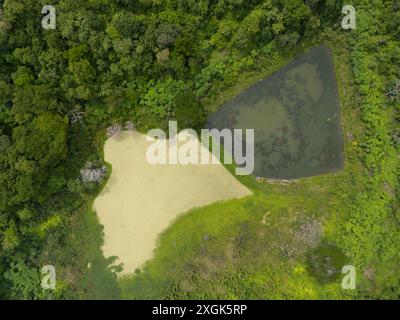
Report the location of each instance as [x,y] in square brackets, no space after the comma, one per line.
[25,282]
[370,235]
[154,61]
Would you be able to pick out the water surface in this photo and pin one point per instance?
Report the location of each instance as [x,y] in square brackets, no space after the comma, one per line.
[296,117]
[141,200]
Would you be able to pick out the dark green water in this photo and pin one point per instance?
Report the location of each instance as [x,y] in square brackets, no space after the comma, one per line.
[325,262]
[296,117]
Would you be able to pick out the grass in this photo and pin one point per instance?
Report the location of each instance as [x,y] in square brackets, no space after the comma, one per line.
[215,251]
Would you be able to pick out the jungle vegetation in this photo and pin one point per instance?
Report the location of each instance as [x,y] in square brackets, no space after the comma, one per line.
[149,62]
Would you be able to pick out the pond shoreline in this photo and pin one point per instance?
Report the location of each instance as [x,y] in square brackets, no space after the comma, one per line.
[295,113]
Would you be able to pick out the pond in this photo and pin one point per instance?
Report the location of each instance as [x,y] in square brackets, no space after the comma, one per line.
[296,117]
[325,262]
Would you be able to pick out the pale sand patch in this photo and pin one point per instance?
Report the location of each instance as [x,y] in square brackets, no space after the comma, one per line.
[141,200]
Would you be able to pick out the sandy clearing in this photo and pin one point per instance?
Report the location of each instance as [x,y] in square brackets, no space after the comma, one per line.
[141,200]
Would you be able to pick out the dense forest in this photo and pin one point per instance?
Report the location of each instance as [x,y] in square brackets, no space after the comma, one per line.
[150,61]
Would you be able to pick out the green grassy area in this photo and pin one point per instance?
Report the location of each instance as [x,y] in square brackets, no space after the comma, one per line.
[237,249]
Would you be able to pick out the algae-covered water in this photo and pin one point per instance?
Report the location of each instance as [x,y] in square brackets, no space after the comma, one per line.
[141,200]
[296,117]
